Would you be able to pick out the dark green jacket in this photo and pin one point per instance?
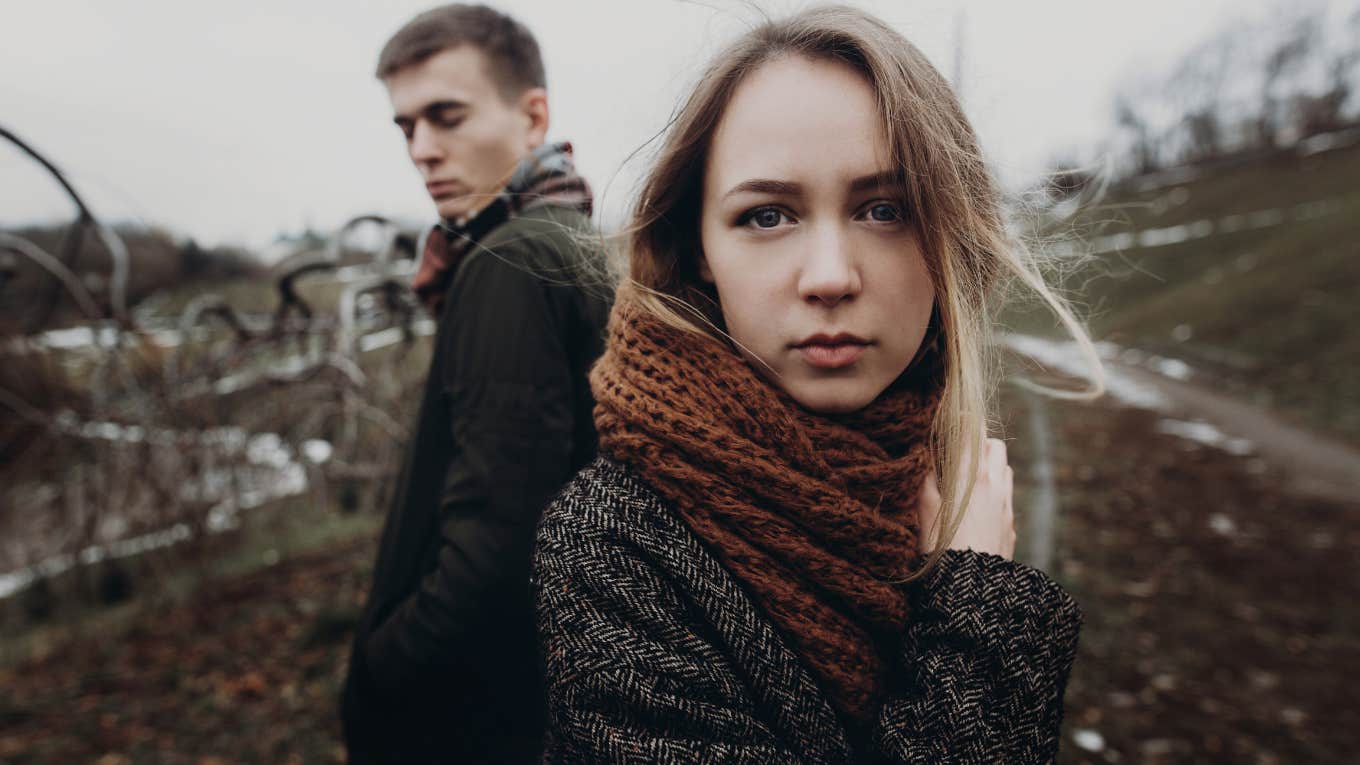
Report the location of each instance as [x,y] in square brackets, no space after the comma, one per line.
[445,666]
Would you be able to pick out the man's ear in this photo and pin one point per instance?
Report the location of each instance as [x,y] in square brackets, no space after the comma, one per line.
[533,104]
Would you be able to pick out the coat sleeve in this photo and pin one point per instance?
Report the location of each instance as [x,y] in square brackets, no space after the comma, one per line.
[987,658]
[509,384]
[631,677]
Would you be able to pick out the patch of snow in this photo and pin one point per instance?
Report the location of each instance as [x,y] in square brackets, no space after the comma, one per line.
[1108,350]
[348,274]
[1065,357]
[1327,141]
[376,340]
[77,337]
[14,581]
[392,335]
[269,450]
[1089,740]
[1222,525]
[1161,237]
[1112,243]
[166,338]
[1200,229]
[1173,368]
[1133,357]
[1166,367]
[1204,433]
[270,472]
[317,451]
[222,519]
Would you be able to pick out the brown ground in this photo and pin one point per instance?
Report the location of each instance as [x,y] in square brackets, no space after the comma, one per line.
[1223,625]
[248,671]
[1223,609]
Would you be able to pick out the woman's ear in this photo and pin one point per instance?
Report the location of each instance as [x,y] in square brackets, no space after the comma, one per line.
[705,273]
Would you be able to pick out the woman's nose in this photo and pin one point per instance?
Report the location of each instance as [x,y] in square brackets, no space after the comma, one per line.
[830,273]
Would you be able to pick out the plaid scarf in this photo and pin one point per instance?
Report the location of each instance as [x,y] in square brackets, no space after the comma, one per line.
[546,177]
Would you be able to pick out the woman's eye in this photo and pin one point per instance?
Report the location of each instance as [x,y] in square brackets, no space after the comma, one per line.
[885,213]
[765,217]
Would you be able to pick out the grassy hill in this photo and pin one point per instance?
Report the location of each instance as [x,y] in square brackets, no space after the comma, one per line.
[1249,271]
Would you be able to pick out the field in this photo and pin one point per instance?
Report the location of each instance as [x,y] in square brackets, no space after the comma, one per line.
[1220,592]
[1221,625]
[1247,272]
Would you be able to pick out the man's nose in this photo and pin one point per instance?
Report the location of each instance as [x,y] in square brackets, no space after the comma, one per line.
[424,147]
[830,273]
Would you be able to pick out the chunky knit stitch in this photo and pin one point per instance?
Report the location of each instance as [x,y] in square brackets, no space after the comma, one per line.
[815,516]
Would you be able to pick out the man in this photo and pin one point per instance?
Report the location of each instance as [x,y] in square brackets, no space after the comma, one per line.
[445,666]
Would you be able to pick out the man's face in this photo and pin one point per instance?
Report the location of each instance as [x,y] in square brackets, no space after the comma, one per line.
[461,133]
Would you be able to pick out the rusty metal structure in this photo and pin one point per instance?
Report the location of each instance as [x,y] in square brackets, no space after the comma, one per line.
[169,431]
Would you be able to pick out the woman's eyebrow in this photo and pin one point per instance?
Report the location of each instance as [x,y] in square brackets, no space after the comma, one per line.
[766,186]
[884,179]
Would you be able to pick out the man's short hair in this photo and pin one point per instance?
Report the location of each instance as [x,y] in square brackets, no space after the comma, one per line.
[513,60]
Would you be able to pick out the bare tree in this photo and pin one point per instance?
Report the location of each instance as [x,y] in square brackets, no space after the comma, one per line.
[1138,132]
[1285,60]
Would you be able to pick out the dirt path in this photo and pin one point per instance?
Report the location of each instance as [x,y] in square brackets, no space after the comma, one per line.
[1315,464]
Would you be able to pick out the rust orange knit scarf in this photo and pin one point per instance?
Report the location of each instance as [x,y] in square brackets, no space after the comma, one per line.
[814,515]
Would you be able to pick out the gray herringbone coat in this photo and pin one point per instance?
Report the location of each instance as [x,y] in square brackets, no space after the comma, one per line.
[655,655]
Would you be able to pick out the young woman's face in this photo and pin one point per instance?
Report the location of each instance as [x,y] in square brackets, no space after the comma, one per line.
[815,259]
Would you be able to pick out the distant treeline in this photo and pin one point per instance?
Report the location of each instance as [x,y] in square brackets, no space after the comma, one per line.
[1252,88]
[158,260]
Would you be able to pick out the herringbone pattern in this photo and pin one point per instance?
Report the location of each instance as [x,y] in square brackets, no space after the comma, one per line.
[655,655]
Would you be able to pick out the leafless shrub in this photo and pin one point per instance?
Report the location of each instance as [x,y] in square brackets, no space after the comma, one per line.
[1253,86]
[118,437]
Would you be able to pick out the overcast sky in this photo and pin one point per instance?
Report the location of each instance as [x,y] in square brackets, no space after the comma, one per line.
[231,122]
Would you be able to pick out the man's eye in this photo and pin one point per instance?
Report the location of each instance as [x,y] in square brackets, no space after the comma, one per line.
[448,119]
[763,217]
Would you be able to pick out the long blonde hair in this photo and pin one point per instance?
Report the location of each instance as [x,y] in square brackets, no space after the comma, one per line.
[954,203]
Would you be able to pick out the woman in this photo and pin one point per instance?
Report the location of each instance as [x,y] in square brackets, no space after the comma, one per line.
[761,567]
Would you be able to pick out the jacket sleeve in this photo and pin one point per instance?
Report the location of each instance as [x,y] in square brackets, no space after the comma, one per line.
[987,657]
[509,383]
[630,678]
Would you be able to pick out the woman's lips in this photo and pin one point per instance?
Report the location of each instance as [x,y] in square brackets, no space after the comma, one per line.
[832,352]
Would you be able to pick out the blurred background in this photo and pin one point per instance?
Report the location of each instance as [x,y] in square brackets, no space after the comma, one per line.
[209,359]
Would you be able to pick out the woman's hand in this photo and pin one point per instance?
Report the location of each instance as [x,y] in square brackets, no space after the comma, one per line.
[989,523]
